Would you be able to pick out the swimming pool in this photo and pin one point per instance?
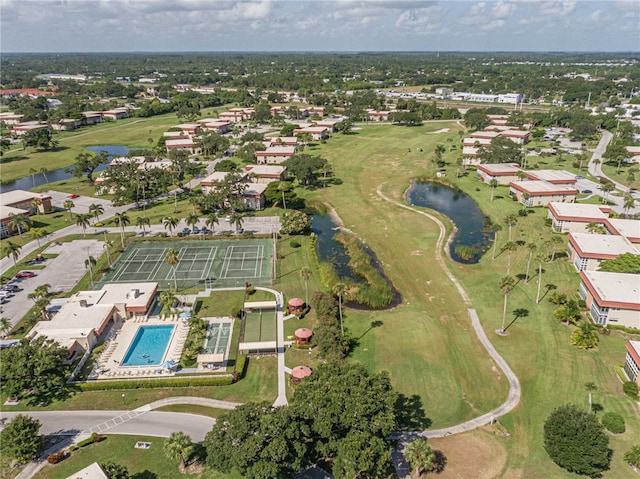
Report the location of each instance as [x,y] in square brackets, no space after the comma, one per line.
[148,346]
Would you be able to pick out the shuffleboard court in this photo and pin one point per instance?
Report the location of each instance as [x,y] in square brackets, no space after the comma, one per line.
[208,263]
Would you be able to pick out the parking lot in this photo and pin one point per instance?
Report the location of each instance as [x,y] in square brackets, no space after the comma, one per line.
[81,203]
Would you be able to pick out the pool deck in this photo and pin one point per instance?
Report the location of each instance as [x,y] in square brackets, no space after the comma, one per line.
[109,363]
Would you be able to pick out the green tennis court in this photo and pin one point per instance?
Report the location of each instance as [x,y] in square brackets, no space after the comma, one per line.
[211,263]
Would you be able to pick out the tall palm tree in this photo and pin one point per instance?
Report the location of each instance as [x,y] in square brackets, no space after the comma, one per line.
[5,325]
[68,204]
[212,220]
[13,250]
[173,260]
[606,189]
[284,187]
[420,456]
[306,274]
[89,263]
[83,220]
[122,220]
[629,202]
[510,220]
[35,204]
[236,219]
[507,283]
[141,222]
[32,172]
[509,247]
[107,246]
[596,228]
[555,241]
[96,210]
[493,184]
[178,446]
[192,219]
[540,257]
[590,387]
[37,233]
[170,223]
[495,227]
[339,290]
[44,172]
[531,247]
[19,222]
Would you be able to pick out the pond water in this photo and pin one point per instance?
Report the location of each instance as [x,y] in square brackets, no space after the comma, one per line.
[61,174]
[330,251]
[462,211]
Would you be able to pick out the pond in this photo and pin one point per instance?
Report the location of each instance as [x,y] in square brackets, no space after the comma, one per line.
[463,212]
[60,174]
[329,250]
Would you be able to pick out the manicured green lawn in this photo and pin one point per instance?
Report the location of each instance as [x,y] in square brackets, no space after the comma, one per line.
[141,463]
[427,343]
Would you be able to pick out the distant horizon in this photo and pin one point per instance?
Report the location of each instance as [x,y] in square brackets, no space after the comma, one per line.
[177,26]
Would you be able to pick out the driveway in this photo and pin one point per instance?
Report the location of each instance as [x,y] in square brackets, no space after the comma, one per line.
[81,202]
[62,273]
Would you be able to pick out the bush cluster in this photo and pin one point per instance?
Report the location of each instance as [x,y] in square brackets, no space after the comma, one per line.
[630,388]
[57,457]
[614,422]
[332,344]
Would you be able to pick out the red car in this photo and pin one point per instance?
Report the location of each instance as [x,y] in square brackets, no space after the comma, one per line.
[74,196]
[25,274]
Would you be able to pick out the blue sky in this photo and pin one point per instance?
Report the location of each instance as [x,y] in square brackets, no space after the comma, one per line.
[318,25]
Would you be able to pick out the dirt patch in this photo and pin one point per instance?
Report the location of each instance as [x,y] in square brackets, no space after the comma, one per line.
[476,454]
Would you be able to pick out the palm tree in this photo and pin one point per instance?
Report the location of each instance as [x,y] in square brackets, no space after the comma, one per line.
[107,246]
[83,221]
[166,298]
[510,220]
[35,204]
[339,290]
[495,227]
[37,233]
[595,228]
[607,188]
[284,187]
[525,198]
[212,220]
[439,151]
[68,204]
[32,172]
[44,172]
[178,446]
[141,222]
[531,247]
[236,219]
[585,336]
[192,219]
[629,202]
[13,250]
[507,283]
[590,387]
[89,263]
[540,257]
[306,274]
[96,210]
[493,184]
[122,220]
[555,241]
[509,247]
[18,222]
[170,223]
[420,456]
[5,326]
[173,260]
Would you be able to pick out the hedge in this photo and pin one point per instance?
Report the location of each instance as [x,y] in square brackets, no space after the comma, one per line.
[614,422]
[623,328]
[157,383]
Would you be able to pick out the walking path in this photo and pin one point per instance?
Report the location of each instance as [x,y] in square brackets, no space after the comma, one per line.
[513,398]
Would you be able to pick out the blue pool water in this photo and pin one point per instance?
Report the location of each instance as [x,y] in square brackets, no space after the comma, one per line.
[148,346]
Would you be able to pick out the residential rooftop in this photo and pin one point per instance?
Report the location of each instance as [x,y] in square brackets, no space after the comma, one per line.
[601,245]
[619,288]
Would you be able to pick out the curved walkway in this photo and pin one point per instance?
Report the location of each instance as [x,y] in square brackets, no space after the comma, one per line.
[194,400]
[513,398]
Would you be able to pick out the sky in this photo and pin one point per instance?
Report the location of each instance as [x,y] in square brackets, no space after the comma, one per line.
[318,25]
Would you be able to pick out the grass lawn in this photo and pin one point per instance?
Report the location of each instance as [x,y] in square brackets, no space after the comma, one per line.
[611,170]
[440,359]
[141,463]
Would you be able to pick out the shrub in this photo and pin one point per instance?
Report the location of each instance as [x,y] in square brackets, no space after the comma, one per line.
[73,448]
[630,388]
[614,422]
[176,382]
[294,243]
[56,457]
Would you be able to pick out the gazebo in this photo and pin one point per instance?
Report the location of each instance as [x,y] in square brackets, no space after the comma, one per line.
[299,373]
[303,336]
[296,305]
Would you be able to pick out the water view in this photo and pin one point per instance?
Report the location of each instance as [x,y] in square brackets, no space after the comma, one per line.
[60,174]
[462,211]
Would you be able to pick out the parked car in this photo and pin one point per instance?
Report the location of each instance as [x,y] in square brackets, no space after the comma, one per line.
[74,196]
[5,294]
[579,177]
[586,192]
[25,274]
[10,287]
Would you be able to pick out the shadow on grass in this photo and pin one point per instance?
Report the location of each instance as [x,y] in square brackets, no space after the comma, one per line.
[517,314]
[374,324]
[146,474]
[410,413]
[548,287]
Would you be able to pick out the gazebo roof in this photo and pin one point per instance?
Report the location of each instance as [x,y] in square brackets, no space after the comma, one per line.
[296,302]
[301,372]
[303,333]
